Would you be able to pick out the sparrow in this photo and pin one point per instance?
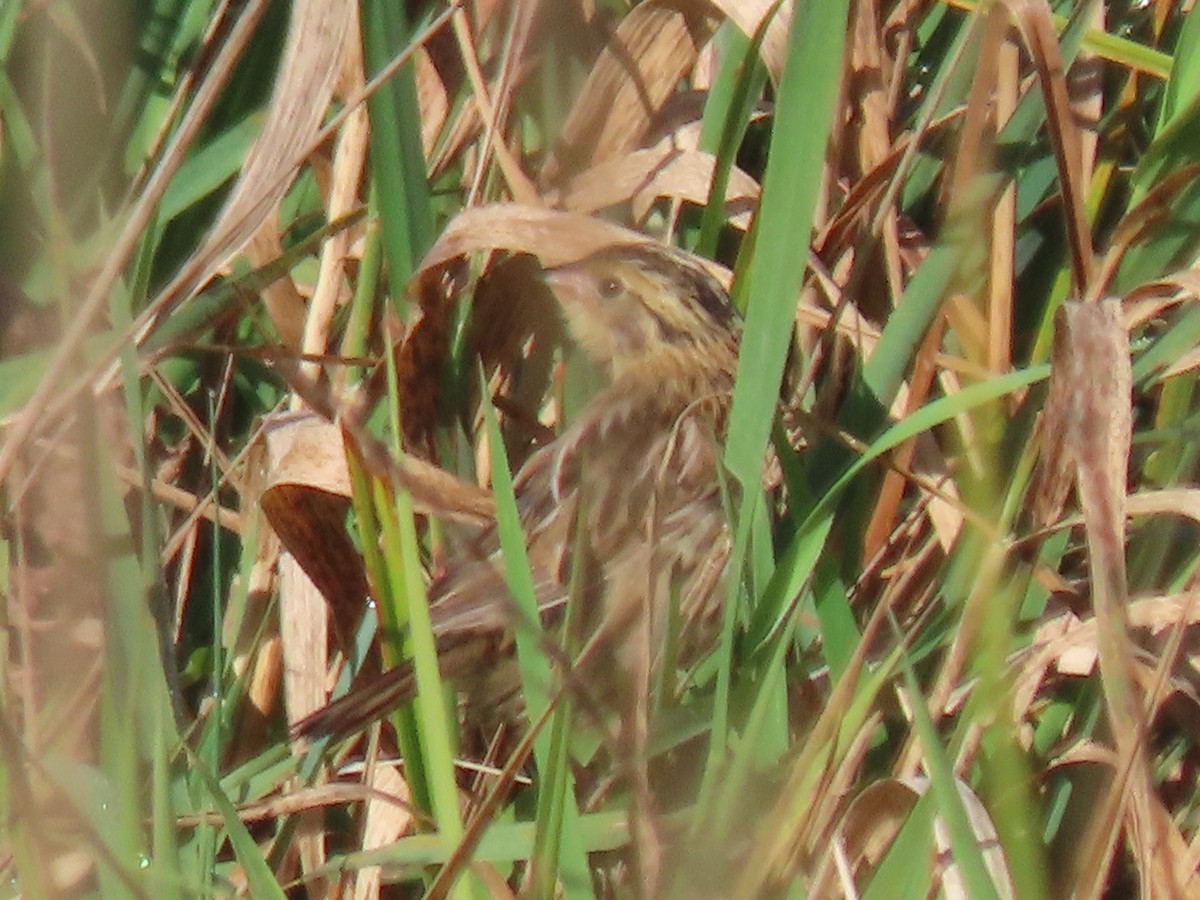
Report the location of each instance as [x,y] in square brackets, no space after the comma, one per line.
[625,504]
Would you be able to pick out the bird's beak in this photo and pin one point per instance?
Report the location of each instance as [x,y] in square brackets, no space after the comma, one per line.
[569,284]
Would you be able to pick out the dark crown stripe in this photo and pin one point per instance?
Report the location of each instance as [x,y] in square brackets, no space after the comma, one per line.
[704,290]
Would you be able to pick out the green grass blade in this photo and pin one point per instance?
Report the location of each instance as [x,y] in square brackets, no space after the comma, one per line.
[570,858]
[260,880]
[397,160]
[804,115]
[949,802]
[727,110]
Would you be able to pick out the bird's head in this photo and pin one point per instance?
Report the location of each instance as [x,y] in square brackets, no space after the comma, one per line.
[634,305]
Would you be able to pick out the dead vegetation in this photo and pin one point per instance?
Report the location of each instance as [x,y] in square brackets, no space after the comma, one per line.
[270,268]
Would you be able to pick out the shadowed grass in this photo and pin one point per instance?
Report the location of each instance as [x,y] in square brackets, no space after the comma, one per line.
[905,642]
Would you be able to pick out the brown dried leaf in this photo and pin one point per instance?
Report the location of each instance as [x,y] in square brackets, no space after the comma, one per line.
[432,98]
[418,375]
[665,170]
[305,499]
[1033,20]
[385,821]
[516,331]
[876,815]
[613,181]
[688,176]
[554,237]
[655,45]
[748,16]
[1091,363]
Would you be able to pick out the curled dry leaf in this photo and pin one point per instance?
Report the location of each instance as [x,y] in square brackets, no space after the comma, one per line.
[514,331]
[1090,418]
[654,46]
[876,815]
[556,238]
[615,181]
[688,176]
[305,499]
[418,372]
[748,16]
[671,168]
[317,37]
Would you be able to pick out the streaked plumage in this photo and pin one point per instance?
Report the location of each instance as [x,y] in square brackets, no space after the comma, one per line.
[639,469]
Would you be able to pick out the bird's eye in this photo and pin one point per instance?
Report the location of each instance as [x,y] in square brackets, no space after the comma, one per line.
[610,287]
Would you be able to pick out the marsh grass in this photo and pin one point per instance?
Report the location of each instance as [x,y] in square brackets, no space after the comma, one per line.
[210,220]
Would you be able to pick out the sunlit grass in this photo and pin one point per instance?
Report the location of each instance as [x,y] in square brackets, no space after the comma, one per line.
[909,635]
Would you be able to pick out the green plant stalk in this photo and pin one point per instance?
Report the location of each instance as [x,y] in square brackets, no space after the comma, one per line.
[1183,82]
[392,624]
[987,623]
[260,880]
[214,732]
[904,872]
[504,842]
[853,699]
[943,784]
[354,341]
[749,754]
[804,115]
[403,599]
[400,546]
[557,820]
[137,727]
[396,157]
[720,737]
[731,110]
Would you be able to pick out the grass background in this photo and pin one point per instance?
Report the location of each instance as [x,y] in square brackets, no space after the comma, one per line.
[215,213]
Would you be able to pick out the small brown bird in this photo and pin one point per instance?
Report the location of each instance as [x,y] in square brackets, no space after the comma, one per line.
[632,486]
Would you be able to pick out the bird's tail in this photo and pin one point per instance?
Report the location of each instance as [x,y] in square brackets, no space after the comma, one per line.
[361,706]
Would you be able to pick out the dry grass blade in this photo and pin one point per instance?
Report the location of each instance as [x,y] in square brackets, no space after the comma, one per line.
[312,63]
[349,163]
[662,170]
[143,210]
[1036,24]
[1092,369]
[492,110]
[653,47]
[555,238]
